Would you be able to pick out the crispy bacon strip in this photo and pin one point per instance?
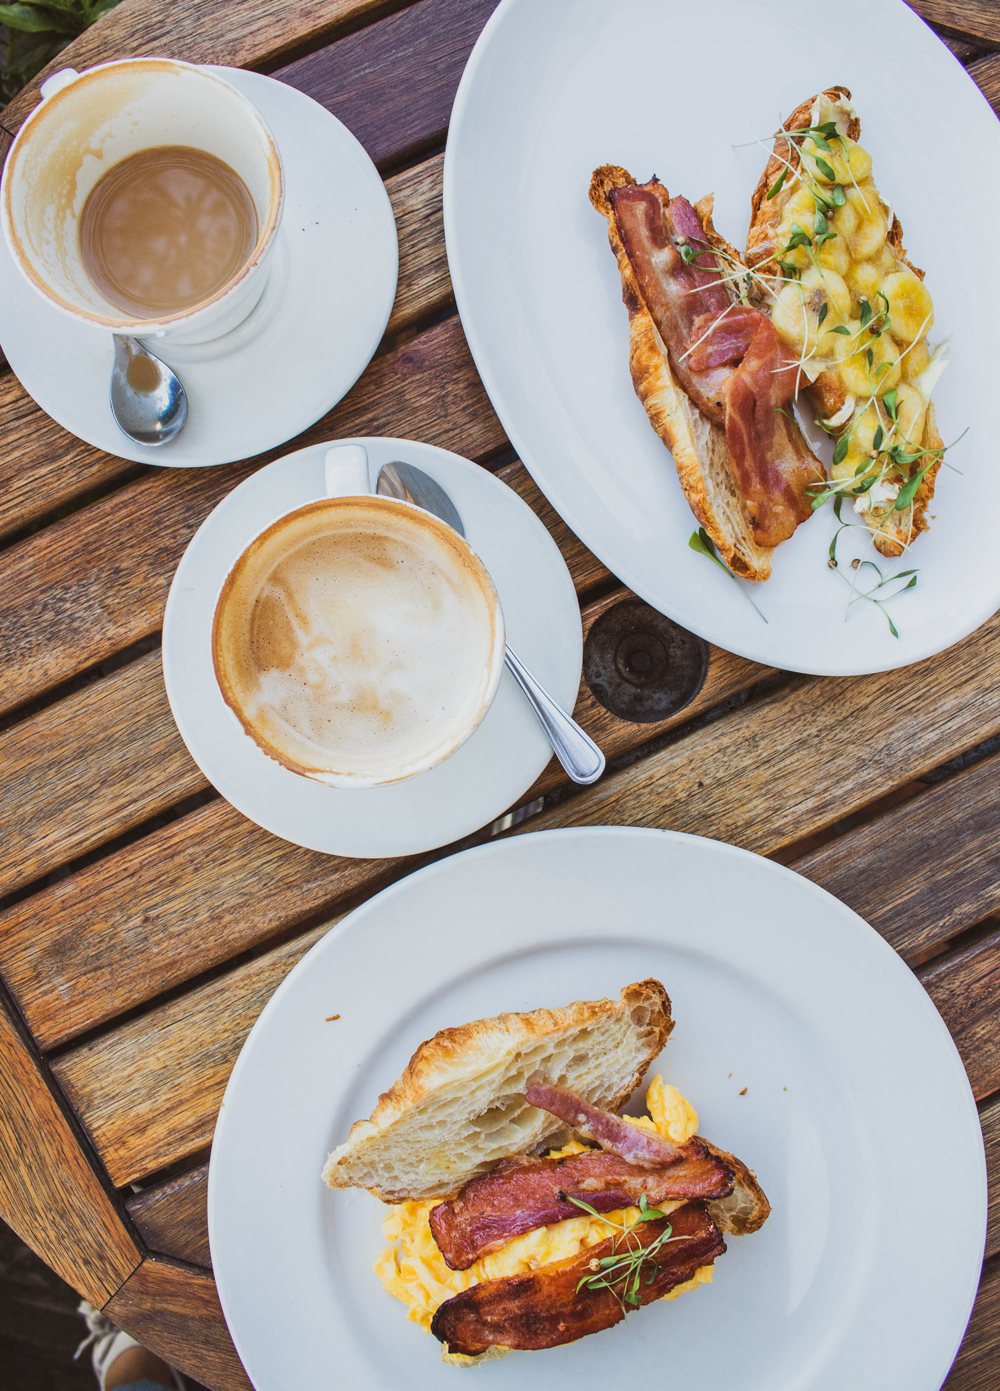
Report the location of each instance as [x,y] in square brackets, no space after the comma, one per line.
[772,461]
[652,225]
[647,1148]
[722,339]
[545,1308]
[520,1194]
[725,356]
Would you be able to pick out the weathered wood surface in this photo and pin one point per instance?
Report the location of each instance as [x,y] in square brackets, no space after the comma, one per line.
[172,1217]
[85,769]
[587,571]
[424,285]
[174,1311]
[43,468]
[235,34]
[890,870]
[414,59]
[979,19]
[770,773]
[171,1067]
[978,1360]
[177,903]
[965,986]
[80,590]
[986,73]
[50,1194]
[989,1118]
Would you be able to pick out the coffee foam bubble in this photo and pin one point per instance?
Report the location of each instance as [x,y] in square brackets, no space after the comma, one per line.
[357,637]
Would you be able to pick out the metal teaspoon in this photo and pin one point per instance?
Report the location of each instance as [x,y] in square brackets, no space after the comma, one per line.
[575,750]
[148,400]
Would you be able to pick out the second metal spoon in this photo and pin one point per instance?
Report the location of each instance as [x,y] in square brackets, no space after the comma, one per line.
[148,400]
[575,749]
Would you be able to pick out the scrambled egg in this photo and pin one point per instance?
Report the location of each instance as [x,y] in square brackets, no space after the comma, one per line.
[851,306]
[413,1270]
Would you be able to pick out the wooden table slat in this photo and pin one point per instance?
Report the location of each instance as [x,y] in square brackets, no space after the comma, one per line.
[393,83]
[977,18]
[965,986]
[84,588]
[175,904]
[424,285]
[231,35]
[986,74]
[889,870]
[171,1067]
[69,786]
[174,1311]
[172,1217]
[989,1119]
[586,569]
[49,1192]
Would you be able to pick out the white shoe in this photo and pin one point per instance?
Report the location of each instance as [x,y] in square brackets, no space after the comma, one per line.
[109,1342]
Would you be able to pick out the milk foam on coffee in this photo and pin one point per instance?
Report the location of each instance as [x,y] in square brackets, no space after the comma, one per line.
[356,640]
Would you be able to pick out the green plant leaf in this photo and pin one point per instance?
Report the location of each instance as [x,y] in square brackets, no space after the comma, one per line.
[825,169]
[29,19]
[776,186]
[909,490]
[840,451]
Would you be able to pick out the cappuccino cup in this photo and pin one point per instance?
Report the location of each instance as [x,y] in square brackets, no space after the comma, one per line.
[90,122]
[358,640]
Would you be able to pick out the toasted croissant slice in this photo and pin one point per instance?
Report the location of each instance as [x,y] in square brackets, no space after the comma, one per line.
[844,296]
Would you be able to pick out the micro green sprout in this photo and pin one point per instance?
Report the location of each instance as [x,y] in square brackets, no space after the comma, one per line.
[630,1265]
[701,542]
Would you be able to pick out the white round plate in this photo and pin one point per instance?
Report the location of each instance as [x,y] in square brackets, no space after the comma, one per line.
[482,778]
[806,1045]
[553,90]
[327,302]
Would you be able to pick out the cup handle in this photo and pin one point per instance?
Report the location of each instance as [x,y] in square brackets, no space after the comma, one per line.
[346,471]
[57,82]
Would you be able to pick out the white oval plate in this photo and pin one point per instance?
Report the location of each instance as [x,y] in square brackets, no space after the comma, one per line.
[553,90]
[322,314]
[481,779]
[857,1117]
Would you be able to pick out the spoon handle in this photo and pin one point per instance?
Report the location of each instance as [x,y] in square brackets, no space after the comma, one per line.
[575,750]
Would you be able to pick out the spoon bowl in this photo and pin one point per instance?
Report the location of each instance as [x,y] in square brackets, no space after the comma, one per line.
[148,400]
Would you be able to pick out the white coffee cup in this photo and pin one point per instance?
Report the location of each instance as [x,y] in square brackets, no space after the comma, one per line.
[88,122]
[358,640]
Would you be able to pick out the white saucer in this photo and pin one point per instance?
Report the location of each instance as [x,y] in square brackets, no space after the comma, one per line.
[320,319]
[481,779]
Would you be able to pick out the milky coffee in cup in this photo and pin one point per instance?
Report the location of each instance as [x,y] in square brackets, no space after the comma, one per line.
[359,640]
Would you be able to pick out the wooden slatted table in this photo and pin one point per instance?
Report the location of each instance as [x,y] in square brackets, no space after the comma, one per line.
[144,922]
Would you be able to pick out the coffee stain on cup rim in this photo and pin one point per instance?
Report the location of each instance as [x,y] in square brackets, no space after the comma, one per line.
[221,640]
[49,107]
